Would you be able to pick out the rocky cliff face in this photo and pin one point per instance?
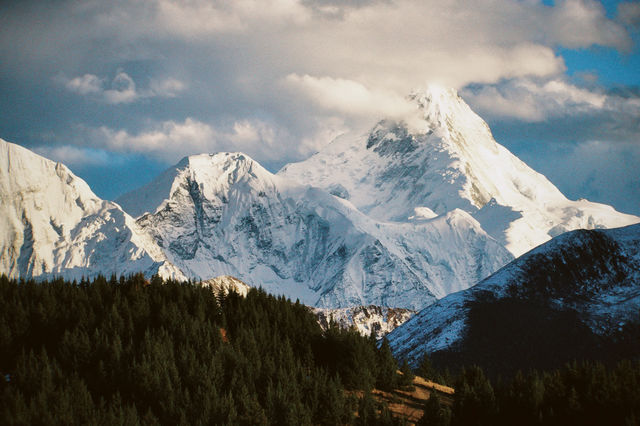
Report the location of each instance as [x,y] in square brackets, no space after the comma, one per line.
[378,320]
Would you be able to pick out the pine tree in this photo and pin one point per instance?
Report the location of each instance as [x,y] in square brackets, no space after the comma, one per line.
[434,413]
[406,379]
[386,378]
[425,368]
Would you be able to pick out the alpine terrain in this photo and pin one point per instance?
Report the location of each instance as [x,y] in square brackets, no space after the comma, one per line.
[225,214]
[53,224]
[446,159]
[400,217]
[577,296]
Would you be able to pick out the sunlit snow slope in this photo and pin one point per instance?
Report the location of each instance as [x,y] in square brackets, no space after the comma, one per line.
[443,160]
[225,214]
[53,224]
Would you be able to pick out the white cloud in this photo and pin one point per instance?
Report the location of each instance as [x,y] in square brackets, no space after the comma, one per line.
[348,97]
[85,85]
[73,155]
[582,23]
[573,23]
[122,88]
[537,101]
[383,45]
[170,140]
[168,88]
[194,19]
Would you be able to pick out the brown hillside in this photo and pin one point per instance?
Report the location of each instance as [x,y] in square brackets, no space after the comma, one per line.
[409,403]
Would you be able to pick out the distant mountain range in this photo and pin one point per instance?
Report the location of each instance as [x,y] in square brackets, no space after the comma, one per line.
[399,217]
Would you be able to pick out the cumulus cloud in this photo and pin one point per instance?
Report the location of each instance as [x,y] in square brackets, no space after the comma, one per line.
[348,97]
[387,44]
[537,101]
[171,140]
[581,23]
[71,155]
[86,84]
[122,89]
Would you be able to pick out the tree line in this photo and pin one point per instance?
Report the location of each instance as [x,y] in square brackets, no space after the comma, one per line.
[580,393]
[132,351]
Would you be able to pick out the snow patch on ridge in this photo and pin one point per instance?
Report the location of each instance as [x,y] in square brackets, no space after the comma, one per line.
[365,319]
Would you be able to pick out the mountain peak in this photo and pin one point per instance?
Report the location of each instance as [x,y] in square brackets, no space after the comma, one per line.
[236,163]
[52,223]
[435,95]
[442,108]
[217,172]
[211,173]
[446,160]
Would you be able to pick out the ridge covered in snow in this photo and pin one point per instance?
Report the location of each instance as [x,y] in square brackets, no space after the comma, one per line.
[590,277]
[378,320]
[448,159]
[53,224]
[225,214]
[225,284]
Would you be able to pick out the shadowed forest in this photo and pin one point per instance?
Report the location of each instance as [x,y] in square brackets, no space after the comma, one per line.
[133,351]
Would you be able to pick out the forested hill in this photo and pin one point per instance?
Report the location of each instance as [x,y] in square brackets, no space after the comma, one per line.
[130,351]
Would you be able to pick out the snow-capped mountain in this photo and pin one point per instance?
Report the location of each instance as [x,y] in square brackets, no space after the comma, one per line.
[366,319]
[225,214]
[444,159]
[579,291]
[53,224]
[399,217]
[225,284]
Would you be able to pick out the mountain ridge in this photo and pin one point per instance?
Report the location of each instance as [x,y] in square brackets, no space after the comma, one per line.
[448,159]
[226,214]
[55,225]
[398,217]
[588,280]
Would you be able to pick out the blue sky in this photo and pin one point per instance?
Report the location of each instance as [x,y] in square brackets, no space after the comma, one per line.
[120,90]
